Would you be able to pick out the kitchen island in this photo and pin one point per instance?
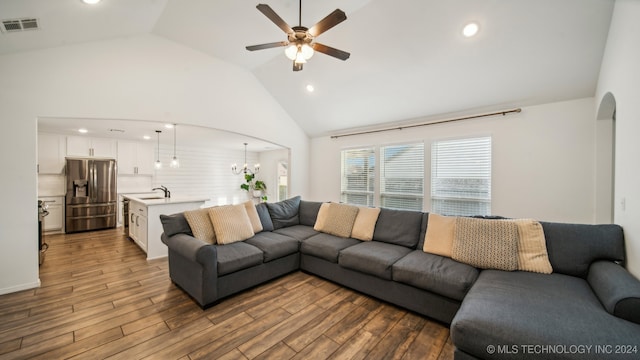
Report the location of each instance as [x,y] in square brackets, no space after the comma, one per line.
[145,227]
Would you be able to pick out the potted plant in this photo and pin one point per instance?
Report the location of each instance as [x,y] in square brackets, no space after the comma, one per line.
[257,187]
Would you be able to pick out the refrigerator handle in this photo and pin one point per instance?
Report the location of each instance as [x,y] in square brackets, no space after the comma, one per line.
[94,185]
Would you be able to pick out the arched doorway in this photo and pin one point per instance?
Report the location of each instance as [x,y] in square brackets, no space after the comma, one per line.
[605,159]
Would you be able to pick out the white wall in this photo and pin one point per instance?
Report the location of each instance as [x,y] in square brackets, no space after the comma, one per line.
[139,78]
[204,172]
[620,75]
[542,168]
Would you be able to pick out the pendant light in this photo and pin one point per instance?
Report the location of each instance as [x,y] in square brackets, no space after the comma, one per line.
[174,161]
[158,164]
[245,168]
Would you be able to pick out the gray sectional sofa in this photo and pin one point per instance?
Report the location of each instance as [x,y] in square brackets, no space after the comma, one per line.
[589,307]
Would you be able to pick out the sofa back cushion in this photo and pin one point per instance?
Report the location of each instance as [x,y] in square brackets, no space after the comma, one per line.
[309,212]
[285,213]
[573,247]
[399,227]
[265,218]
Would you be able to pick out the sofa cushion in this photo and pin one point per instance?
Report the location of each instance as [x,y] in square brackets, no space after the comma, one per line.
[440,234]
[237,256]
[365,223]
[372,257]
[200,225]
[284,213]
[573,247]
[265,218]
[486,244]
[299,232]
[175,224]
[524,308]
[254,218]
[336,219]
[435,273]
[308,212]
[230,223]
[326,246]
[274,245]
[399,227]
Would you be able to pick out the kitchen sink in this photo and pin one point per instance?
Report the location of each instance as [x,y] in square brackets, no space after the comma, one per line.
[151,198]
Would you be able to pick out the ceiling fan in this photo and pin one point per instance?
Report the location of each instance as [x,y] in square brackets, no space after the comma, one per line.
[300,40]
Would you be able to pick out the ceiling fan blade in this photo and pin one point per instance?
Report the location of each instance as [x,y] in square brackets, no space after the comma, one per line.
[267,46]
[297,66]
[328,50]
[331,20]
[268,12]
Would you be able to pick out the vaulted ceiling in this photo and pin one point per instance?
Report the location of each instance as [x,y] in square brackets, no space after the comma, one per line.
[408,60]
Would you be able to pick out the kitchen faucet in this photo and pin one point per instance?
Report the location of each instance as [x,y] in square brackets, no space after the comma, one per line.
[167,193]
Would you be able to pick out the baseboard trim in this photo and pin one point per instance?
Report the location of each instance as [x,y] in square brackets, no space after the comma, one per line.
[20,287]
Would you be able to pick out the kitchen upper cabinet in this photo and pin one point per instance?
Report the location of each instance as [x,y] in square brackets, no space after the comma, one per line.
[88,146]
[135,158]
[51,152]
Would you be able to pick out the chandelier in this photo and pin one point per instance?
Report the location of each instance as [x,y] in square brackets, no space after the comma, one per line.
[245,168]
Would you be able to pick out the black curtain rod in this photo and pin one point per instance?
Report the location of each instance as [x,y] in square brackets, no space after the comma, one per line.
[503,113]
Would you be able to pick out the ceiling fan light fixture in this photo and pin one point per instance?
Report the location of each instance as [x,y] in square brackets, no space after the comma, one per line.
[291,51]
[307,51]
[300,59]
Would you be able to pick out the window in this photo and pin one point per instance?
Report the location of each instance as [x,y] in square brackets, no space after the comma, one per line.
[358,176]
[283,180]
[402,176]
[461,176]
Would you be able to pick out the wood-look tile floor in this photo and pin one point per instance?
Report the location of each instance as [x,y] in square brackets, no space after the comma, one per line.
[100,299]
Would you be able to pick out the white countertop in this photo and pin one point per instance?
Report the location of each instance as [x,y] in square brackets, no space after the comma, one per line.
[159,200]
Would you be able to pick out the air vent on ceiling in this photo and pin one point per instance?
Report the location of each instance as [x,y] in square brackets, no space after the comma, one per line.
[16,25]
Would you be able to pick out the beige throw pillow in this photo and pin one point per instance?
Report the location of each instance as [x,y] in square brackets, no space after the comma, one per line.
[532,247]
[486,244]
[441,231]
[321,219]
[365,223]
[231,223]
[338,221]
[200,224]
[252,212]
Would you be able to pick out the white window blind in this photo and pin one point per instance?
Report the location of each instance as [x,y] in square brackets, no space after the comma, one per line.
[402,176]
[358,176]
[461,176]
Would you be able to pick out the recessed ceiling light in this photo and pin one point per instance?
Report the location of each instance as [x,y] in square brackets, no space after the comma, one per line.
[83,131]
[168,126]
[310,88]
[91,2]
[470,29]
[146,137]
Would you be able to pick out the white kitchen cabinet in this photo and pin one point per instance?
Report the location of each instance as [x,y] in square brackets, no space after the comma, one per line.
[88,146]
[138,223]
[51,153]
[135,158]
[145,227]
[54,222]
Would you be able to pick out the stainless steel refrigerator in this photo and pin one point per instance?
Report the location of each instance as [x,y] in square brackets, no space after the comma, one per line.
[91,199]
